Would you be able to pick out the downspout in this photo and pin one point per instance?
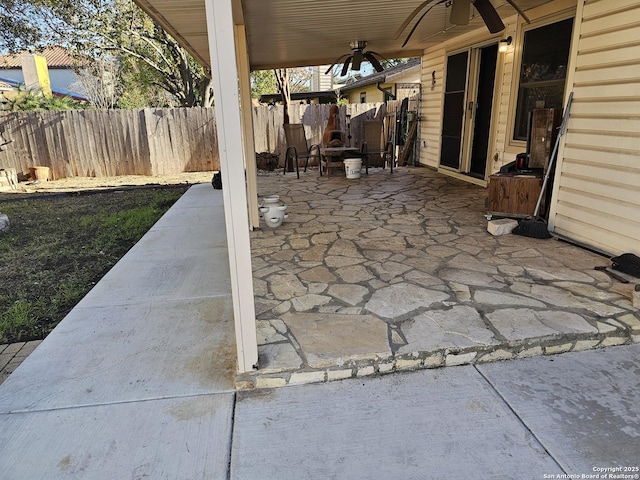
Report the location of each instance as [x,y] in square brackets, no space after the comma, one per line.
[387,93]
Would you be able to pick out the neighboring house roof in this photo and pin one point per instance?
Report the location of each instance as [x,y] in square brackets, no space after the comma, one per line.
[383,76]
[324,96]
[56,56]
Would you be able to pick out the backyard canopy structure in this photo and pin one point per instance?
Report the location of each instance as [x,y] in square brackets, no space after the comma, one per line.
[291,33]
[237,36]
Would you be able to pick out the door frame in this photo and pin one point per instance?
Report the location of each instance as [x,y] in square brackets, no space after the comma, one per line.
[473,72]
[446,110]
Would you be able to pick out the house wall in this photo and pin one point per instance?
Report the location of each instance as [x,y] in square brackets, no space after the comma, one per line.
[373,94]
[431,106]
[12,74]
[503,148]
[596,198]
[61,78]
[376,96]
[321,81]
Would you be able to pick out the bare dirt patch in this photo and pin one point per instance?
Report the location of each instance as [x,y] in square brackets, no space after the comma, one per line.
[105,183]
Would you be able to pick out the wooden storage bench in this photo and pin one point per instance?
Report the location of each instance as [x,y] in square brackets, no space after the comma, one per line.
[514,194]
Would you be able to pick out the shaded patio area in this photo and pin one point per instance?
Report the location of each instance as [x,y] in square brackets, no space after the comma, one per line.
[392,272]
[137,381]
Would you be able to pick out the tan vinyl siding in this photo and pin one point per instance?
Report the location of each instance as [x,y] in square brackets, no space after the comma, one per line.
[431,107]
[504,129]
[372,94]
[597,190]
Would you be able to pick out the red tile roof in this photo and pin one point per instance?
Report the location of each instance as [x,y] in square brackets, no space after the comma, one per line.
[57,57]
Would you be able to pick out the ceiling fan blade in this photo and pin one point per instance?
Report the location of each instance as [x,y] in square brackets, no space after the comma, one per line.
[460,12]
[374,61]
[336,61]
[488,13]
[418,22]
[519,10]
[409,18]
[345,67]
[357,60]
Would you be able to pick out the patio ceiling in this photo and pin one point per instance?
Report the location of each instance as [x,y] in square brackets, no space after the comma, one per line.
[288,33]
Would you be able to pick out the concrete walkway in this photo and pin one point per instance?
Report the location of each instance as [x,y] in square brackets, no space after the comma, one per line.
[395,272]
[538,418]
[138,382]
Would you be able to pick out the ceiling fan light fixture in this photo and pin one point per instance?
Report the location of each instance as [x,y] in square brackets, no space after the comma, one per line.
[358,45]
[357,57]
[357,60]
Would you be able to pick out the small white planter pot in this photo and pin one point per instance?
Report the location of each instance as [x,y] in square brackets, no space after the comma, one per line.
[272,211]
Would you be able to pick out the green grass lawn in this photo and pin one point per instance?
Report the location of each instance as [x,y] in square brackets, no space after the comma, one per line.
[59,246]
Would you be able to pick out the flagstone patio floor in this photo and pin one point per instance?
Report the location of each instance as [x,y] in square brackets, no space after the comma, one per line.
[393,272]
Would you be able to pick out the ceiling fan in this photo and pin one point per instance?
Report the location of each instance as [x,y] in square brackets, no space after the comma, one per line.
[460,15]
[357,57]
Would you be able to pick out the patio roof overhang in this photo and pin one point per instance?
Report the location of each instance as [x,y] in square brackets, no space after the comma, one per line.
[290,33]
[237,36]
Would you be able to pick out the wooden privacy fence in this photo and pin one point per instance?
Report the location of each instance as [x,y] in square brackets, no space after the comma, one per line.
[99,143]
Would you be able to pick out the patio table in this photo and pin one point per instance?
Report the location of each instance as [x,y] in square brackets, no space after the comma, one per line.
[332,157]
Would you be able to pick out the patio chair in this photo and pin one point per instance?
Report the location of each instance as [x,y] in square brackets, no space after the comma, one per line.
[297,147]
[375,151]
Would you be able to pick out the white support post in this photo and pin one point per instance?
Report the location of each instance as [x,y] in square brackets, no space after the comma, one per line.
[224,71]
[247,125]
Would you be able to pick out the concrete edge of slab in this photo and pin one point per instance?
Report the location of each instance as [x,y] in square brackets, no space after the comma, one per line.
[446,357]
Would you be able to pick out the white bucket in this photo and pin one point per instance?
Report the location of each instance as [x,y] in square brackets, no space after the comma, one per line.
[352,167]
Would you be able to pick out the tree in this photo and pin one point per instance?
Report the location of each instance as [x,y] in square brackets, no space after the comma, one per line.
[263,82]
[300,79]
[100,83]
[159,61]
[282,79]
[17,32]
[393,62]
[118,31]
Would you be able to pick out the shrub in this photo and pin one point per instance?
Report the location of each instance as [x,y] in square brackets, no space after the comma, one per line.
[26,100]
